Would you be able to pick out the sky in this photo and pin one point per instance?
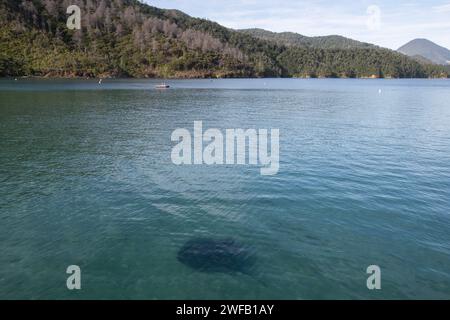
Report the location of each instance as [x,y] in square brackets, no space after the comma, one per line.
[384,22]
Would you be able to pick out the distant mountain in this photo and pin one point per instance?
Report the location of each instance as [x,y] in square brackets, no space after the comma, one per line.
[428,50]
[291,39]
[127,38]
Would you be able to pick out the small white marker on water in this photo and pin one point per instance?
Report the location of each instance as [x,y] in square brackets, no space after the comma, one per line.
[379,91]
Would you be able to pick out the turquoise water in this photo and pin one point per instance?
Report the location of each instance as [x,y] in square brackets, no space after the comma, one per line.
[86,179]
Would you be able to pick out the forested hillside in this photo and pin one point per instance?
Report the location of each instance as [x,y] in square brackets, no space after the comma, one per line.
[292,39]
[125,38]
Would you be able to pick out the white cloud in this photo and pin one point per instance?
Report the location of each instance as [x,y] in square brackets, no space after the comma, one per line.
[442,8]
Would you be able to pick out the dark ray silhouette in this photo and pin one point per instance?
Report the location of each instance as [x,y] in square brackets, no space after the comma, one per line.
[217,255]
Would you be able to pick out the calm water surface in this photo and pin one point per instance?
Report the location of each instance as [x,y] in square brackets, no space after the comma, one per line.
[86,178]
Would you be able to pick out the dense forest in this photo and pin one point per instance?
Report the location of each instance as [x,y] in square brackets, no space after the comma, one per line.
[292,39]
[126,38]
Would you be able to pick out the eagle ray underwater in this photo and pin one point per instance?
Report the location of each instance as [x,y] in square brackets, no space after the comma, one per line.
[217,255]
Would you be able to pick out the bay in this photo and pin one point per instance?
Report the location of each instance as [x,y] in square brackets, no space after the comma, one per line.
[86,179]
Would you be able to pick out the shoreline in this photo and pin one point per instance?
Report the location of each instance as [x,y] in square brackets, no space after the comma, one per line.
[209,78]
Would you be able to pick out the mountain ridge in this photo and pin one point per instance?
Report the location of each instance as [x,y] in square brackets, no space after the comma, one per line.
[295,39]
[426,49]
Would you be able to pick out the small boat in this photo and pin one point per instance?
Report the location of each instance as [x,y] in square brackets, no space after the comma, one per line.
[162,86]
